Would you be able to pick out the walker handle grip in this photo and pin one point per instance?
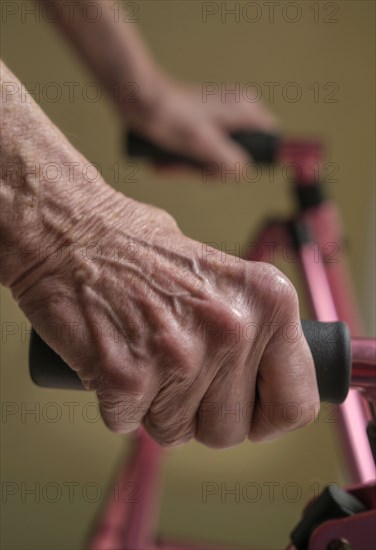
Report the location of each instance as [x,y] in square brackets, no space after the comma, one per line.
[330,346]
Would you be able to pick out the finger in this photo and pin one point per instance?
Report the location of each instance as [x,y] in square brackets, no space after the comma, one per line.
[120,411]
[124,382]
[100,357]
[171,417]
[211,144]
[125,391]
[286,385]
[226,410]
[221,156]
[246,115]
[210,171]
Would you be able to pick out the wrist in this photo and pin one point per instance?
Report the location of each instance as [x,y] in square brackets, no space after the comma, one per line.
[50,210]
[141,98]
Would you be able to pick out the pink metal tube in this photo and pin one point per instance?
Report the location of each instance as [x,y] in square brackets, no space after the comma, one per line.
[352,413]
[364,367]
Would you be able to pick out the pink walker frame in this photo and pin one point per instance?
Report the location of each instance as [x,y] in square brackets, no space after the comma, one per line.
[131,526]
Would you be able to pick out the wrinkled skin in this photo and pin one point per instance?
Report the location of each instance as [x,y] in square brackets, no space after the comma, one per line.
[157,324]
[166,341]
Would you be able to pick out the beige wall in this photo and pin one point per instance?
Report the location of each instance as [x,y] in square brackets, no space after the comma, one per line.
[305,52]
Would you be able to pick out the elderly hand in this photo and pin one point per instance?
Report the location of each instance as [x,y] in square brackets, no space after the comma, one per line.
[196,122]
[170,334]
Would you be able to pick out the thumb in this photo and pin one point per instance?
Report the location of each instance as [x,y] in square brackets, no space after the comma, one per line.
[221,156]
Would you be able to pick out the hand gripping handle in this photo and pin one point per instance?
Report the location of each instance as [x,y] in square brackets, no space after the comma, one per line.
[262,147]
[330,345]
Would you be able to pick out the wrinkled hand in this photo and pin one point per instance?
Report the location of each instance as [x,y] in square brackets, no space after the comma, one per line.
[169,333]
[188,120]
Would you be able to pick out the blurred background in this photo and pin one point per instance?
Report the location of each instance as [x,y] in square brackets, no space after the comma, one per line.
[329,55]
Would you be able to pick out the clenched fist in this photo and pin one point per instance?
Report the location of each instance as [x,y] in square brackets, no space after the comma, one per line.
[170,333]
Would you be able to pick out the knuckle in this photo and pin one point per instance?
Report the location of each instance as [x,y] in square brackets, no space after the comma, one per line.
[120,414]
[177,364]
[120,379]
[230,319]
[181,375]
[167,440]
[187,134]
[275,289]
[224,326]
[167,435]
[288,294]
[110,413]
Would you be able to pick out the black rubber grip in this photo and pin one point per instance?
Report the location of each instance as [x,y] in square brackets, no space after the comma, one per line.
[329,343]
[47,368]
[261,147]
